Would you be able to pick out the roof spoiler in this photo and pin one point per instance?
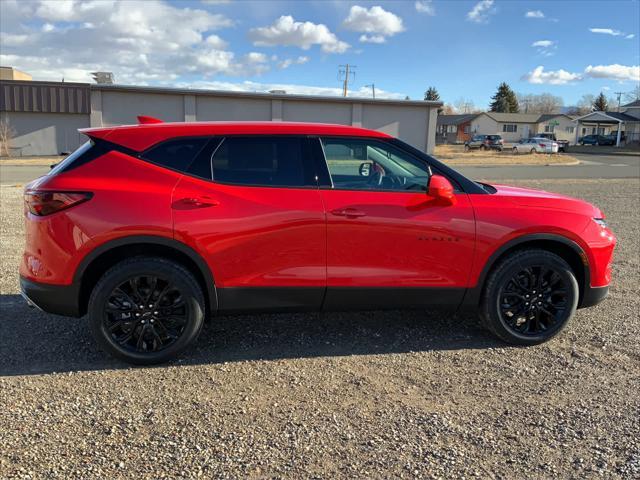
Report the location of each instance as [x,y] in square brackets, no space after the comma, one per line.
[144,120]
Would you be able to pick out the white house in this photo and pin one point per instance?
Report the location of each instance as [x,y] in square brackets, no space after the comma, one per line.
[515,126]
[624,124]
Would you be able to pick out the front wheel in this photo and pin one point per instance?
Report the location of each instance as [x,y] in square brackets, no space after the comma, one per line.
[529,297]
[146,310]
[515,150]
[466,148]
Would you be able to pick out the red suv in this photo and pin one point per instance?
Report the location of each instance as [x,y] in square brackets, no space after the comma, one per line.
[149,229]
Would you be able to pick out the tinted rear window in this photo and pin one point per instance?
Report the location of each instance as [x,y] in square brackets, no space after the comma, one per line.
[75,159]
[176,154]
[268,161]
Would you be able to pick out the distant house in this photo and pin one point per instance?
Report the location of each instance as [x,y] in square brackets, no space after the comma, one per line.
[454,128]
[627,122]
[515,126]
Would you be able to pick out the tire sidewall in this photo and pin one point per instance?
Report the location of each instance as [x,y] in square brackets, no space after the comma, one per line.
[183,281]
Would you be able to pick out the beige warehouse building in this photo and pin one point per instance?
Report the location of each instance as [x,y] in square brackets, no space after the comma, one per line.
[45,116]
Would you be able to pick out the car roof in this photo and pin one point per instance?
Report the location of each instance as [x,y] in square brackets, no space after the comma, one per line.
[142,136]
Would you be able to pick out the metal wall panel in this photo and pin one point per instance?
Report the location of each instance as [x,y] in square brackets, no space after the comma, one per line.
[44,97]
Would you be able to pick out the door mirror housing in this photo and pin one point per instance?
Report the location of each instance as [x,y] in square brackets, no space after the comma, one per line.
[441,190]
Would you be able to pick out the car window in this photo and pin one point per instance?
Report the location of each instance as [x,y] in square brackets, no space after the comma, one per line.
[263,161]
[367,164]
[176,154]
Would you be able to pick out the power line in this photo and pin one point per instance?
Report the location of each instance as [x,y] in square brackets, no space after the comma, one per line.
[345,72]
[373,89]
[619,94]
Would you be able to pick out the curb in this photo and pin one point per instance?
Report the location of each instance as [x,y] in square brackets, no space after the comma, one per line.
[565,164]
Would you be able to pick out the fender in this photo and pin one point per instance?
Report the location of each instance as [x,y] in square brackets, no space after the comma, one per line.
[156,240]
[472,296]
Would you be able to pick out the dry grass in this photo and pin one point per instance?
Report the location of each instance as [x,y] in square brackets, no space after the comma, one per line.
[455,155]
[30,160]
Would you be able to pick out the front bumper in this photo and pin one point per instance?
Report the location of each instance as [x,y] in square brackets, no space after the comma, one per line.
[57,299]
[593,295]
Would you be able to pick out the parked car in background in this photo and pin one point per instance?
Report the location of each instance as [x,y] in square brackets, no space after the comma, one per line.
[150,229]
[485,142]
[562,144]
[535,145]
[597,140]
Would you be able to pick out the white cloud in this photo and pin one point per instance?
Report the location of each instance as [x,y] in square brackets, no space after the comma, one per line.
[250,86]
[285,31]
[481,11]
[545,47]
[286,63]
[621,73]
[372,38]
[143,41]
[534,14]
[552,77]
[614,72]
[606,31]
[612,32]
[375,23]
[425,6]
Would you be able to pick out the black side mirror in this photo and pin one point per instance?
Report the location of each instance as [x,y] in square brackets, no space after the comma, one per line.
[365,169]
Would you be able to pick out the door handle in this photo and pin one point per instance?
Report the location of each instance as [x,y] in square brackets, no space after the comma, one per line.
[348,212]
[194,202]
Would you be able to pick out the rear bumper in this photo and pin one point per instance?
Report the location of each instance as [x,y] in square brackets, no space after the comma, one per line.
[57,299]
[593,295]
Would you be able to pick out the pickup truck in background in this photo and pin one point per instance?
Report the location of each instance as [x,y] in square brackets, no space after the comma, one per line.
[562,144]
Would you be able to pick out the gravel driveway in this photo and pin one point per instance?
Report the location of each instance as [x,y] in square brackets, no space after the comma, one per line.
[367,395]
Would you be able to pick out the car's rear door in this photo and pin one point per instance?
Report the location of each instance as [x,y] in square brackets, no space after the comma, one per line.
[251,206]
[388,243]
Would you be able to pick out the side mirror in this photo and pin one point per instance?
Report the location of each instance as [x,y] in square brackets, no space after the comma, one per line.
[365,169]
[441,190]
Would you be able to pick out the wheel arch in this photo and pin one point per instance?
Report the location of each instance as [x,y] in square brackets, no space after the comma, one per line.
[93,266]
[564,247]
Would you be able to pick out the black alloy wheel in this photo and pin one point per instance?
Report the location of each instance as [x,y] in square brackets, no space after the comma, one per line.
[146,310]
[529,297]
[534,300]
[145,313]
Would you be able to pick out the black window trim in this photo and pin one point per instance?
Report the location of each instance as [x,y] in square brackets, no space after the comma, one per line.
[141,155]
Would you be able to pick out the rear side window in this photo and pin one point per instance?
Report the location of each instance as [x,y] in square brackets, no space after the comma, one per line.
[263,161]
[84,153]
[176,154]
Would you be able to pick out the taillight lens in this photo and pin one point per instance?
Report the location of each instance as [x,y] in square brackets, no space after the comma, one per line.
[45,203]
[542,145]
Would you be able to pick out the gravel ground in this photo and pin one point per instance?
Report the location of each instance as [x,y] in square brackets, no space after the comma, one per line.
[376,395]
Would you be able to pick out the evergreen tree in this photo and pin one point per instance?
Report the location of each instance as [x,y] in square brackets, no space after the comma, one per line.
[432,94]
[600,103]
[505,100]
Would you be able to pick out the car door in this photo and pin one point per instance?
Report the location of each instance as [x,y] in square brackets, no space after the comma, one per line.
[388,243]
[251,206]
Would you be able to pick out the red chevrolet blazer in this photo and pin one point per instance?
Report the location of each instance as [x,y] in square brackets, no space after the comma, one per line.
[149,229]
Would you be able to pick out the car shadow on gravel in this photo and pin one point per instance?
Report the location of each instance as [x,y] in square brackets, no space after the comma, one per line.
[32,342]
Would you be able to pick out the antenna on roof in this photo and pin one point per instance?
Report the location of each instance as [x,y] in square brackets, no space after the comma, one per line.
[144,120]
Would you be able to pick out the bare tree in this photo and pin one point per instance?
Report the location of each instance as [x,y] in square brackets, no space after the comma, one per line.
[633,95]
[465,105]
[448,109]
[585,104]
[6,135]
[543,103]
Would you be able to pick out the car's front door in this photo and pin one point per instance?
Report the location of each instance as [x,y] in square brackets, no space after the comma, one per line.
[251,206]
[388,243]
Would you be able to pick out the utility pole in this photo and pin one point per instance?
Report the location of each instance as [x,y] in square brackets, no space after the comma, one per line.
[344,73]
[373,89]
[619,94]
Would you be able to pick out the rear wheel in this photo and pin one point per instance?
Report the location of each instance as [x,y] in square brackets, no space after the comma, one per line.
[483,147]
[529,297]
[466,148]
[533,150]
[514,150]
[146,310]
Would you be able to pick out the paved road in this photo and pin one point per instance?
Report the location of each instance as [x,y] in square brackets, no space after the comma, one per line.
[591,166]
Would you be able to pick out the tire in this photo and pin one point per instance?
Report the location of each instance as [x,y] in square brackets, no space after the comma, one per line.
[510,315]
[482,147]
[514,150]
[152,331]
[533,151]
[467,148]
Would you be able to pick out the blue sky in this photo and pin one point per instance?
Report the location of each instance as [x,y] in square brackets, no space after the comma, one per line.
[567,48]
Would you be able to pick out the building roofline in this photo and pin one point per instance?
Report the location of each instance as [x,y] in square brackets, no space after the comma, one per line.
[264,95]
[601,113]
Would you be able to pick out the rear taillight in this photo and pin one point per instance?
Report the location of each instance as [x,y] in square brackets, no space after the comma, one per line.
[542,145]
[45,203]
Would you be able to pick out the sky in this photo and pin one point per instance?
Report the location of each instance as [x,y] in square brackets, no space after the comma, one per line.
[463,48]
